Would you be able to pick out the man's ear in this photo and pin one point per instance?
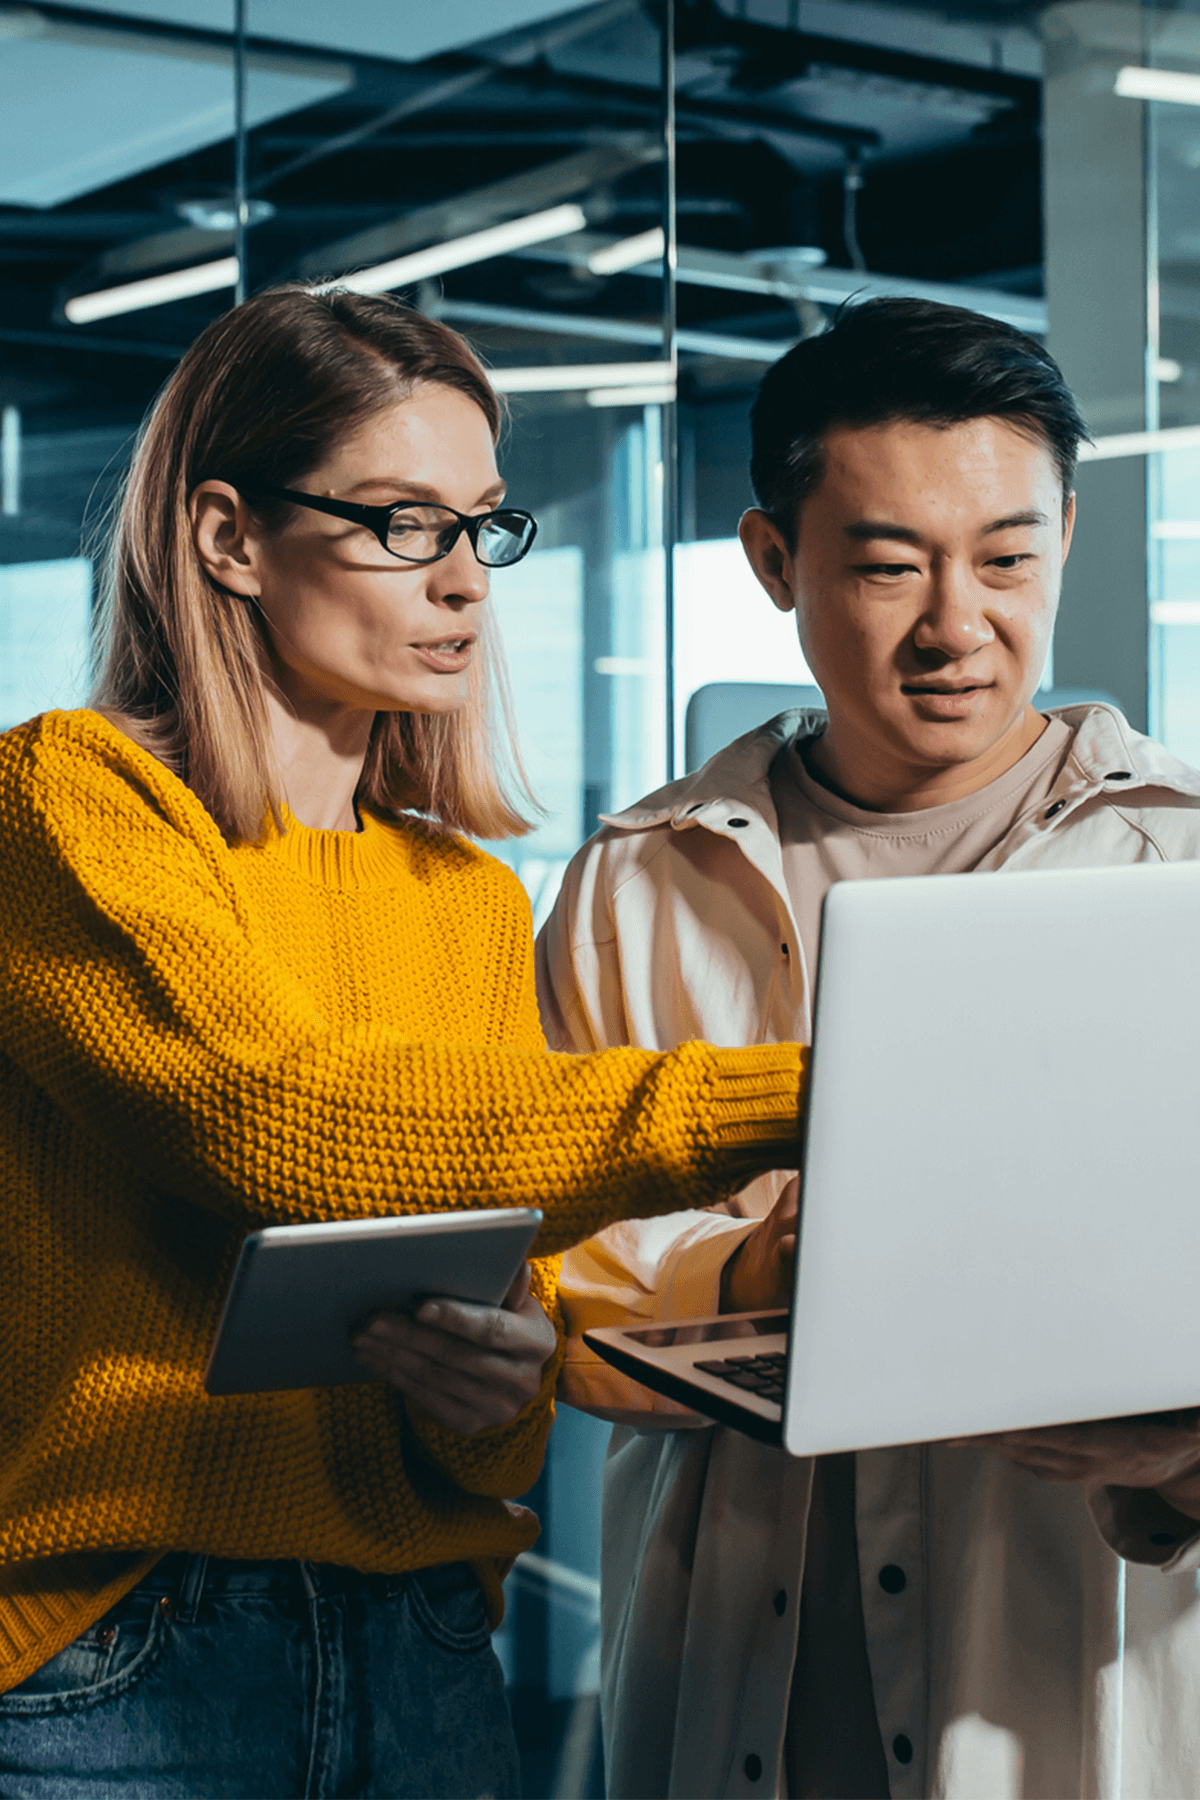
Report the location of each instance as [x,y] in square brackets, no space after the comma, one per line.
[224,539]
[1068,524]
[768,555]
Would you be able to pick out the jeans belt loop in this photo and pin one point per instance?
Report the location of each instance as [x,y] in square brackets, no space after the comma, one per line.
[191,1589]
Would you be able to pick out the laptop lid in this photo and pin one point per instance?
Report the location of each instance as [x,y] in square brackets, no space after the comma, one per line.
[1001,1211]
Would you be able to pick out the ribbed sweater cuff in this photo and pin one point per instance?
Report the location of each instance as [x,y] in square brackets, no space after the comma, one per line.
[758,1100]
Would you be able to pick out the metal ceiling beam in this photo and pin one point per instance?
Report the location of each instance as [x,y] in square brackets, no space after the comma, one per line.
[65,340]
[752,274]
[610,331]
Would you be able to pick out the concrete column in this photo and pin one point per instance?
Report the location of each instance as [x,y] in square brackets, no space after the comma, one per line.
[1097,235]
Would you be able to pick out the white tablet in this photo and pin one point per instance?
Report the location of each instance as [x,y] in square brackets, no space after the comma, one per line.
[299,1293]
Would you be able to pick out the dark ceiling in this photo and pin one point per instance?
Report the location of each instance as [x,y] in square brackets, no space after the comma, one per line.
[933,108]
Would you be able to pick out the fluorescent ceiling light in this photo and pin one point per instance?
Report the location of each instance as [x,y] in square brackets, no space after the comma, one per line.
[155,290]
[628,253]
[660,394]
[1175,612]
[562,378]
[221,215]
[1158,84]
[1141,443]
[457,253]
[1176,528]
[1165,368]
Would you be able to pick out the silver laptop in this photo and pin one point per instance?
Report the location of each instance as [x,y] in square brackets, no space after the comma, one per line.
[1000,1220]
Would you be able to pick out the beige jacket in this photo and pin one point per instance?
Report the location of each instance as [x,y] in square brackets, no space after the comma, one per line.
[1024,1656]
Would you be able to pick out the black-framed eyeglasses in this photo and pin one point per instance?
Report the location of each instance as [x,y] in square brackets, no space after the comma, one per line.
[417,532]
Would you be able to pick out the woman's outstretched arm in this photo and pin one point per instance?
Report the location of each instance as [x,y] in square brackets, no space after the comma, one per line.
[134,995]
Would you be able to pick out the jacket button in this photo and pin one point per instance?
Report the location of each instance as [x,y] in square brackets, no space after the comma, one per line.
[780,1600]
[902,1748]
[106,1635]
[892,1578]
[737,823]
[753,1767]
[1052,810]
[1119,775]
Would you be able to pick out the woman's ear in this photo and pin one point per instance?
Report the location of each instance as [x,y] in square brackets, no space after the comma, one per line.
[768,555]
[224,538]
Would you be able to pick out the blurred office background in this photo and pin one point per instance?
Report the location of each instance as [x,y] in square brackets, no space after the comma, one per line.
[632,207]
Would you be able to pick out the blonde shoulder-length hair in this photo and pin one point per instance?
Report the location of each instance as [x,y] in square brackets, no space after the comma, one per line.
[263,396]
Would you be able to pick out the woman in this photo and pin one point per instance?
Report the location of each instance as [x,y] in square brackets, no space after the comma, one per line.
[253,972]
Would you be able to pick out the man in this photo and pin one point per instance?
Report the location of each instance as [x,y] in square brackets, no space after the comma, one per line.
[939,1619]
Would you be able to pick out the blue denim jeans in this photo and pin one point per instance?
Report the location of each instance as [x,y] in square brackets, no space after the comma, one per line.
[255,1679]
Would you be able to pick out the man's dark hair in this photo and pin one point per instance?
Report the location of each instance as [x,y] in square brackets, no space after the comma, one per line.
[882,361]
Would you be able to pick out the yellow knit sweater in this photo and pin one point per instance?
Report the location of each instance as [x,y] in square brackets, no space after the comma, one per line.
[198,1039]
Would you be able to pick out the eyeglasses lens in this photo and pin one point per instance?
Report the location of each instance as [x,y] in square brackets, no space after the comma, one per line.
[425,533]
[421,533]
[504,539]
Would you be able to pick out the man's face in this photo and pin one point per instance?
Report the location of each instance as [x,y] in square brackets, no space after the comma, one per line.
[925,576]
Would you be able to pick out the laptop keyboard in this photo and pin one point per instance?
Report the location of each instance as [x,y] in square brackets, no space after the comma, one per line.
[761,1375]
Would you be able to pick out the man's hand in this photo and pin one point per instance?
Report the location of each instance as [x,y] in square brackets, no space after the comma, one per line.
[759,1273]
[1159,1451]
[469,1366]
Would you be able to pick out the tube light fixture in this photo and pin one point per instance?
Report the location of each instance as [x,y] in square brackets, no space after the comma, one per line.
[1175,612]
[1158,84]
[563,377]
[155,290]
[655,394]
[629,253]
[457,253]
[1141,443]
[1175,530]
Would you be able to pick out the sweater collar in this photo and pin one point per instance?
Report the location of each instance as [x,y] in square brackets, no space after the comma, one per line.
[337,859]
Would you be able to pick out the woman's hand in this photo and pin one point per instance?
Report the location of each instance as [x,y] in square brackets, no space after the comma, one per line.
[469,1366]
[759,1273]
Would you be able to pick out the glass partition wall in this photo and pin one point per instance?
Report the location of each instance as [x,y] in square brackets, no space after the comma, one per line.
[1172,62]
[1122,213]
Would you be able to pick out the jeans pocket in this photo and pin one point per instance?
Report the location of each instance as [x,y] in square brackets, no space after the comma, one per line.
[454,1616]
[101,1663]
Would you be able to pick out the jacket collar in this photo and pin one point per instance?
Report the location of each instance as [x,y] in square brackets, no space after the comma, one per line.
[734,780]
[1107,755]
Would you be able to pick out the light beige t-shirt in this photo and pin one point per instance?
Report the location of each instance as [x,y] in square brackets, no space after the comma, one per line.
[833,1749]
[826,839]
